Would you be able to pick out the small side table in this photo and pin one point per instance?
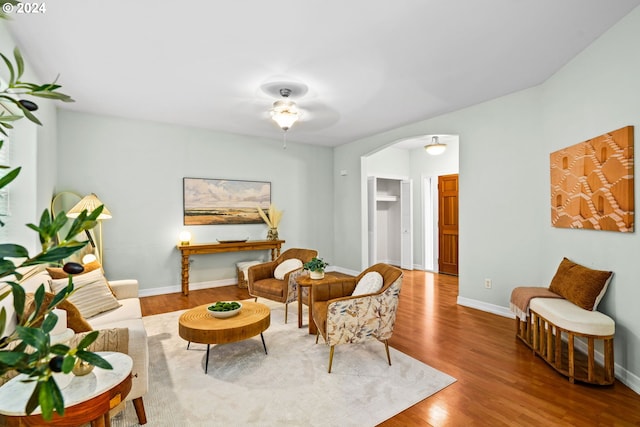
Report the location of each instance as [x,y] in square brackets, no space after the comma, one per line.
[307,282]
[88,398]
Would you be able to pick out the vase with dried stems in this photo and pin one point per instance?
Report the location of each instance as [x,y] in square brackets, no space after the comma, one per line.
[272,220]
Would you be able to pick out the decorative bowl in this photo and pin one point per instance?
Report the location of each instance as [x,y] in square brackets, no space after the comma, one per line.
[224,309]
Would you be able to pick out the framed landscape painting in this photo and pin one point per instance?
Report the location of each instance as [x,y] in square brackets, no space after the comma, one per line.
[224,201]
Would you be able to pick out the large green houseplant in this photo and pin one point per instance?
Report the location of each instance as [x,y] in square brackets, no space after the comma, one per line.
[28,349]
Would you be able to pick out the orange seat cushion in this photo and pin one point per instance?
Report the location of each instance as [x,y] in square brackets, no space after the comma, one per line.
[272,287]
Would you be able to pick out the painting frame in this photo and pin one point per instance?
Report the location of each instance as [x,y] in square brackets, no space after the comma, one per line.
[217,201]
[592,183]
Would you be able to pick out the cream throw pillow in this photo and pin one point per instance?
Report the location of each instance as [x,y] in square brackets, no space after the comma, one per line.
[370,283]
[91,293]
[286,267]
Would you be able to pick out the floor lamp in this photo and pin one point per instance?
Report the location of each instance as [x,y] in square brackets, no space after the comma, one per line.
[89,203]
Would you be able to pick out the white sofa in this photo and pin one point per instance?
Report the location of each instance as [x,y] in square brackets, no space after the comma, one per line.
[128,315]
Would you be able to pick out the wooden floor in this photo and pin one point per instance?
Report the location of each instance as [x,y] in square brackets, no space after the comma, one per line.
[499,381]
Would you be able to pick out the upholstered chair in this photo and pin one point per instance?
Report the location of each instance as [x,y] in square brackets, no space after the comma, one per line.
[276,280]
[344,318]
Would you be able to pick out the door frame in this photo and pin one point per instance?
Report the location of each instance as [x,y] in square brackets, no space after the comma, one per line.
[364,208]
[429,200]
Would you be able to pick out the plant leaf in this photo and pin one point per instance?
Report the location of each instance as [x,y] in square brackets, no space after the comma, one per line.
[68,363]
[6,179]
[34,337]
[59,349]
[12,74]
[46,397]
[49,322]
[56,396]
[55,254]
[33,402]
[18,298]
[19,62]
[7,268]
[11,358]
[87,340]
[9,250]
[3,321]
[61,295]
[93,359]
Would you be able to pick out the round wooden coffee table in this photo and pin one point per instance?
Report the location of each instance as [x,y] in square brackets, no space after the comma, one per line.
[198,325]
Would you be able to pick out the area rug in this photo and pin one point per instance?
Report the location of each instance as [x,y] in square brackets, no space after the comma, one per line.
[289,386]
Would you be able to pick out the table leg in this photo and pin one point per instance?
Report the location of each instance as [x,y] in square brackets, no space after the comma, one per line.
[312,325]
[185,274]
[299,306]
[206,362]
[263,344]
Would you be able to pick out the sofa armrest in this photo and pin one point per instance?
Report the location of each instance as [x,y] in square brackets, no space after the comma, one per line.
[123,289]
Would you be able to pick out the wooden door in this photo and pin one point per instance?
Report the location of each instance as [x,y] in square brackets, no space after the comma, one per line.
[448,224]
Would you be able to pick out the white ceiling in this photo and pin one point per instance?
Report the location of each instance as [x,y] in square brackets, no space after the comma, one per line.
[370,65]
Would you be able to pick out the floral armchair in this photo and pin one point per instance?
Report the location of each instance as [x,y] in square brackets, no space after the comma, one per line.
[342,318]
[262,282]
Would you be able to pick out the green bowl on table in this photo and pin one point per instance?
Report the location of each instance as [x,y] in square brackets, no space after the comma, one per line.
[224,309]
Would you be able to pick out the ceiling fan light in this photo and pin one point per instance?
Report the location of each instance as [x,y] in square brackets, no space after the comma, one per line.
[435,147]
[285,113]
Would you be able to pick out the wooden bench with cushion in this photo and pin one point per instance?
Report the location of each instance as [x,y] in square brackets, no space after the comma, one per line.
[549,320]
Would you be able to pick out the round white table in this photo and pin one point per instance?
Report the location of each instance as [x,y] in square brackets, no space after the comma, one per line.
[86,399]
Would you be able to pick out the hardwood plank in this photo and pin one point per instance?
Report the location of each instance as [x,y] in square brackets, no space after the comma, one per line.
[500,382]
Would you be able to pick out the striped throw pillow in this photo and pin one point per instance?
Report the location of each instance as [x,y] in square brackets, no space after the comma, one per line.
[91,295]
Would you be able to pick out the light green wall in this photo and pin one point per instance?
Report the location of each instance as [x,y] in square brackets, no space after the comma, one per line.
[136,168]
[505,230]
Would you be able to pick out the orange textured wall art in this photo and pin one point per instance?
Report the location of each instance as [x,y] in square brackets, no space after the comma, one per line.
[592,183]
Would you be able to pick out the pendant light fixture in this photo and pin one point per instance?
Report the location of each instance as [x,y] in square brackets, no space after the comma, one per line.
[435,147]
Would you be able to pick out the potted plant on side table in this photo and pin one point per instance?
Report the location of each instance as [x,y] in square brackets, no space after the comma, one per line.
[316,267]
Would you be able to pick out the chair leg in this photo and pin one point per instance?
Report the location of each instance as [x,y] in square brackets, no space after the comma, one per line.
[138,404]
[317,335]
[286,312]
[386,346]
[331,357]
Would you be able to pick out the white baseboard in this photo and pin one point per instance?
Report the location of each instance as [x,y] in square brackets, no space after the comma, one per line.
[485,306]
[192,287]
[624,376]
[342,270]
[218,283]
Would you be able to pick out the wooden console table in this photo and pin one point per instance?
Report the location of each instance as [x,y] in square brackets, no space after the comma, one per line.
[216,248]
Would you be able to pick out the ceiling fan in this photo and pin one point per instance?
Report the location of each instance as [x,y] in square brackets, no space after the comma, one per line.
[293,104]
[285,112]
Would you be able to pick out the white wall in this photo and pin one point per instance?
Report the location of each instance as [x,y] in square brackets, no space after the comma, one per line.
[136,169]
[505,230]
[33,148]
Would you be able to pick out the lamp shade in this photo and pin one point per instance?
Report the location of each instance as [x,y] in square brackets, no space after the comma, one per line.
[435,147]
[285,113]
[185,238]
[89,203]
